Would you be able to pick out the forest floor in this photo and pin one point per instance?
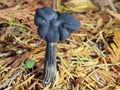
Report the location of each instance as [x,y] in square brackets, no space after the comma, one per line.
[88,60]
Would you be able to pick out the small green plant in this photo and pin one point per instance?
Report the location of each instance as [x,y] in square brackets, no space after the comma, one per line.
[12,23]
[29,64]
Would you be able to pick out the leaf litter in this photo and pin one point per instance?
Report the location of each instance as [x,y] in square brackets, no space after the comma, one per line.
[88,60]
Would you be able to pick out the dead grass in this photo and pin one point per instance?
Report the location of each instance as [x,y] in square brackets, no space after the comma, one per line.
[88,60]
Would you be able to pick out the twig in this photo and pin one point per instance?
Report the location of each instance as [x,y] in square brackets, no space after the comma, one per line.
[54,4]
[112,6]
[5,54]
[90,88]
[99,66]
[5,70]
[13,77]
[28,80]
[98,82]
[103,39]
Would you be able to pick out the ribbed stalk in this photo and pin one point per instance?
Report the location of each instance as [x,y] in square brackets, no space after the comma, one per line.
[49,64]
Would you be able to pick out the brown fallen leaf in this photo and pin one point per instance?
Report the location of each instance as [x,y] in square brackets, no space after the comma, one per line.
[76,5]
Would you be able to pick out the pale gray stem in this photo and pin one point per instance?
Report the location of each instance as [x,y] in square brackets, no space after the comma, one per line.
[49,64]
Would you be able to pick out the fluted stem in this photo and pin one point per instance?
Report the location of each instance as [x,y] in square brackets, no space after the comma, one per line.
[49,64]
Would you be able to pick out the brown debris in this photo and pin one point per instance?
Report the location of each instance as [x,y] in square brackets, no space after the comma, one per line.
[88,60]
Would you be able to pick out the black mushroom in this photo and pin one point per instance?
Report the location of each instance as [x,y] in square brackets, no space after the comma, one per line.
[53,27]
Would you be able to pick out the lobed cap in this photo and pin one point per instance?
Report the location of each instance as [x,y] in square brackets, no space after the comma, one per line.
[54,26]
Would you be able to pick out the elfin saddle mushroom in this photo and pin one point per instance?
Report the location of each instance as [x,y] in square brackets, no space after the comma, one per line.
[53,27]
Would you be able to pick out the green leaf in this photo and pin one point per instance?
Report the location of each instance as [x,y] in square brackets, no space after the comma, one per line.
[23,31]
[30,63]
[118,63]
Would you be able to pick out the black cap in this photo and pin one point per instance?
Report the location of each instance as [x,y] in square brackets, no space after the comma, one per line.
[54,26]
